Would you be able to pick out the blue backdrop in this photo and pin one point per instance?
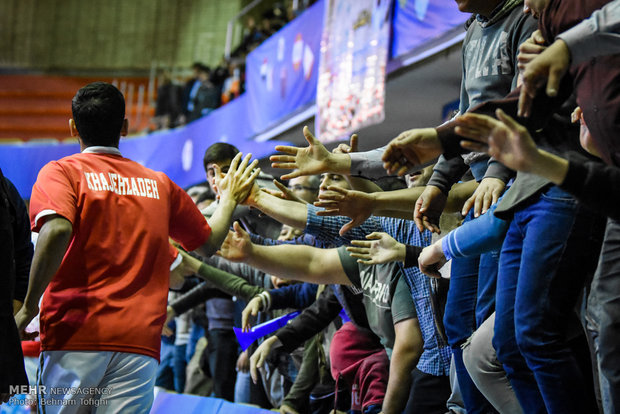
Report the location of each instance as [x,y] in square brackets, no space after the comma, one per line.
[282,74]
[176,152]
[419,21]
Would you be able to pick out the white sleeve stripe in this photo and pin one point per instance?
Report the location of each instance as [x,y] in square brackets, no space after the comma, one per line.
[176,262]
[42,214]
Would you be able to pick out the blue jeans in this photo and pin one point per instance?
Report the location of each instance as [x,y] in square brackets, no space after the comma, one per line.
[178,367]
[196,332]
[242,387]
[604,311]
[541,274]
[467,274]
[165,375]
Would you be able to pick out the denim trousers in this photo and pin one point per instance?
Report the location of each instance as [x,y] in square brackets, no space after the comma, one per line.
[222,355]
[196,332]
[164,376]
[472,288]
[604,310]
[179,363]
[542,271]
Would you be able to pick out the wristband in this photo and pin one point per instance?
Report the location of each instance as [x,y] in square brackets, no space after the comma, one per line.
[411,255]
[265,299]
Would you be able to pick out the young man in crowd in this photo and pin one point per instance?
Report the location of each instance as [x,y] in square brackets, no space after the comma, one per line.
[387,301]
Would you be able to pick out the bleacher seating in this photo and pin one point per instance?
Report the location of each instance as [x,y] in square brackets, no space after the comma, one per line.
[38,106]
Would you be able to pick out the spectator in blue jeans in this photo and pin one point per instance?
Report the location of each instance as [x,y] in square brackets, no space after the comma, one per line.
[543,267]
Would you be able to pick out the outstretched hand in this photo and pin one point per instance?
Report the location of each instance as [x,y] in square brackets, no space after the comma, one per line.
[313,159]
[356,205]
[238,181]
[486,194]
[259,356]
[503,139]
[237,246]
[428,209]
[547,68]
[251,309]
[378,248]
[410,149]
[282,192]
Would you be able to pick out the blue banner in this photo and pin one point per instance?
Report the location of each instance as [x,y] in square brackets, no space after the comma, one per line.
[176,152]
[419,21]
[282,73]
[166,402]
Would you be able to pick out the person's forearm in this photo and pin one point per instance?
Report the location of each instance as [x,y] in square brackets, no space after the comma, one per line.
[397,200]
[543,106]
[408,347]
[220,224]
[363,184]
[484,234]
[412,253]
[249,274]
[52,244]
[550,166]
[596,36]
[339,164]
[296,296]
[17,305]
[301,263]
[447,172]
[288,212]
[228,283]
[195,296]
[399,381]
[367,164]
[458,195]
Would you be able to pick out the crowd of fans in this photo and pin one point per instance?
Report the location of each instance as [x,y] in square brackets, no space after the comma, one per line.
[178,103]
[512,309]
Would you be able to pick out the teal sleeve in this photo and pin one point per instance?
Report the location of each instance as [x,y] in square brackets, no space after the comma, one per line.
[350,266]
[402,304]
[229,283]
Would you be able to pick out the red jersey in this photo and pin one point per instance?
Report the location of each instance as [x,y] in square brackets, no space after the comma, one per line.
[110,291]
